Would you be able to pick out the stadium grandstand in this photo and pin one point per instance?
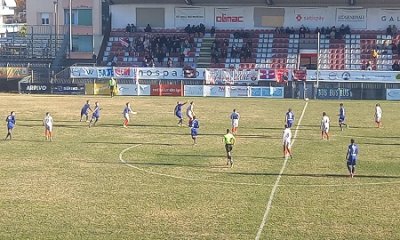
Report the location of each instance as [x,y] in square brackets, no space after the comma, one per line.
[341,35]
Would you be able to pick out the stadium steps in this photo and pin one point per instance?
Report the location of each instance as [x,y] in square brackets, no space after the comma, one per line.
[204,58]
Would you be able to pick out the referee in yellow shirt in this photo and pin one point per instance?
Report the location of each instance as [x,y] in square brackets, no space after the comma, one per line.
[229,141]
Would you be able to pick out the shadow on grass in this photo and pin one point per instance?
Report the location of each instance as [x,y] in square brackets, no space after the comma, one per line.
[217,156]
[314,175]
[381,144]
[136,143]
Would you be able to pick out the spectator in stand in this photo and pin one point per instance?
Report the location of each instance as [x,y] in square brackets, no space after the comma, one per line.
[148,28]
[202,29]
[133,28]
[188,29]
[169,62]
[389,30]
[128,28]
[317,30]
[368,67]
[181,59]
[302,31]
[212,31]
[394,30]
[396,66]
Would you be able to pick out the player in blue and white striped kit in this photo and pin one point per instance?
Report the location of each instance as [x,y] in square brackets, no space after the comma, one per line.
[342,117]
[351,157]
[194,130]
[289,118]
[10,119]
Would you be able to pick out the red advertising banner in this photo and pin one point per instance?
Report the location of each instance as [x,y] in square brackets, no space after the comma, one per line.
[282,75]
[166,90]
[299,75]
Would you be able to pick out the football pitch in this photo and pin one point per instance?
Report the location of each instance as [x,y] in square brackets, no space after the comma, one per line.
[148,181]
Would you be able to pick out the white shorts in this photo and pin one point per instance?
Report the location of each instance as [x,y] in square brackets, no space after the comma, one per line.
[189,114]
[325,129]
[378,119]
[126,116]
[286,143]
[49,127]
[235,123]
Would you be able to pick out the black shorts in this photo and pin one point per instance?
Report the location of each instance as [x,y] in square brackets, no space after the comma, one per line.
[111,88]
[228,147]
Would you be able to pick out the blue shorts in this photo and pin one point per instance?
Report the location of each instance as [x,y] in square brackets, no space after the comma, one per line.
[351,161]
[84,113]
[341,119]
[96,116]
[289,124]
[194,132]
[178,115]
[10,125]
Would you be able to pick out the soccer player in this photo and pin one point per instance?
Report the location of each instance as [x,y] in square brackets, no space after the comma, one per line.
[190,113]
[342,116]
[126,112]
[48,126]
[235,116]
[95,115]
[325,126]
[194,131]
[112,84]
[286,140]
[85,111]
[10,119]
[229,140]
[289,118]
[178,112]
[351,157]
[378,115]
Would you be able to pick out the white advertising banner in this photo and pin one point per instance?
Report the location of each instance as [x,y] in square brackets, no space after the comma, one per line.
[225,18]
[194,90]
[380,19]
[226,75]
[189,15]
[214,91]
[167,73]
[392,94]
[105,72]
[124,72]
[238,91]
[309,17]
[352,76]
[127,90]
[356,18]
[83,72]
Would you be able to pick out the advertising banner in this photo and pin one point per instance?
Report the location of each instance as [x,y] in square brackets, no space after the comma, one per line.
[13,72]
[356,18]
[124,72]
[101,89]
[267,92]
[194,90]
[214,91]
[351,76]
[266,74]
[127,90]
[309,17]
[83,72]
[226,75]
[334,93]
[189,15]
[167,73]
[166,90]
[238,91]
[105,72]
[229,18]
[380,19]
[392,94]
[68,89]
[42,88]
[282,75]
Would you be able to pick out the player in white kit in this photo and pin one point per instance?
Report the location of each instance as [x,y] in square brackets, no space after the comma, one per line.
[325,122]
[286,140]
[190,113]
[378,115]
[48,126]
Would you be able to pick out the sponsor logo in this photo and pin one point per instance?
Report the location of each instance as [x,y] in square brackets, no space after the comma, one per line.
[351,18]
[229,19]
[36,88]
[390,18]
[299,18]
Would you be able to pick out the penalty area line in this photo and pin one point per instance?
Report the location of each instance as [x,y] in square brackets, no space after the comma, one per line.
[278,179]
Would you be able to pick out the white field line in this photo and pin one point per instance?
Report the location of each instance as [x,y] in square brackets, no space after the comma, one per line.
[278,179]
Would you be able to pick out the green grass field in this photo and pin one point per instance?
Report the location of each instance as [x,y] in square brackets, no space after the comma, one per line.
[150,182]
